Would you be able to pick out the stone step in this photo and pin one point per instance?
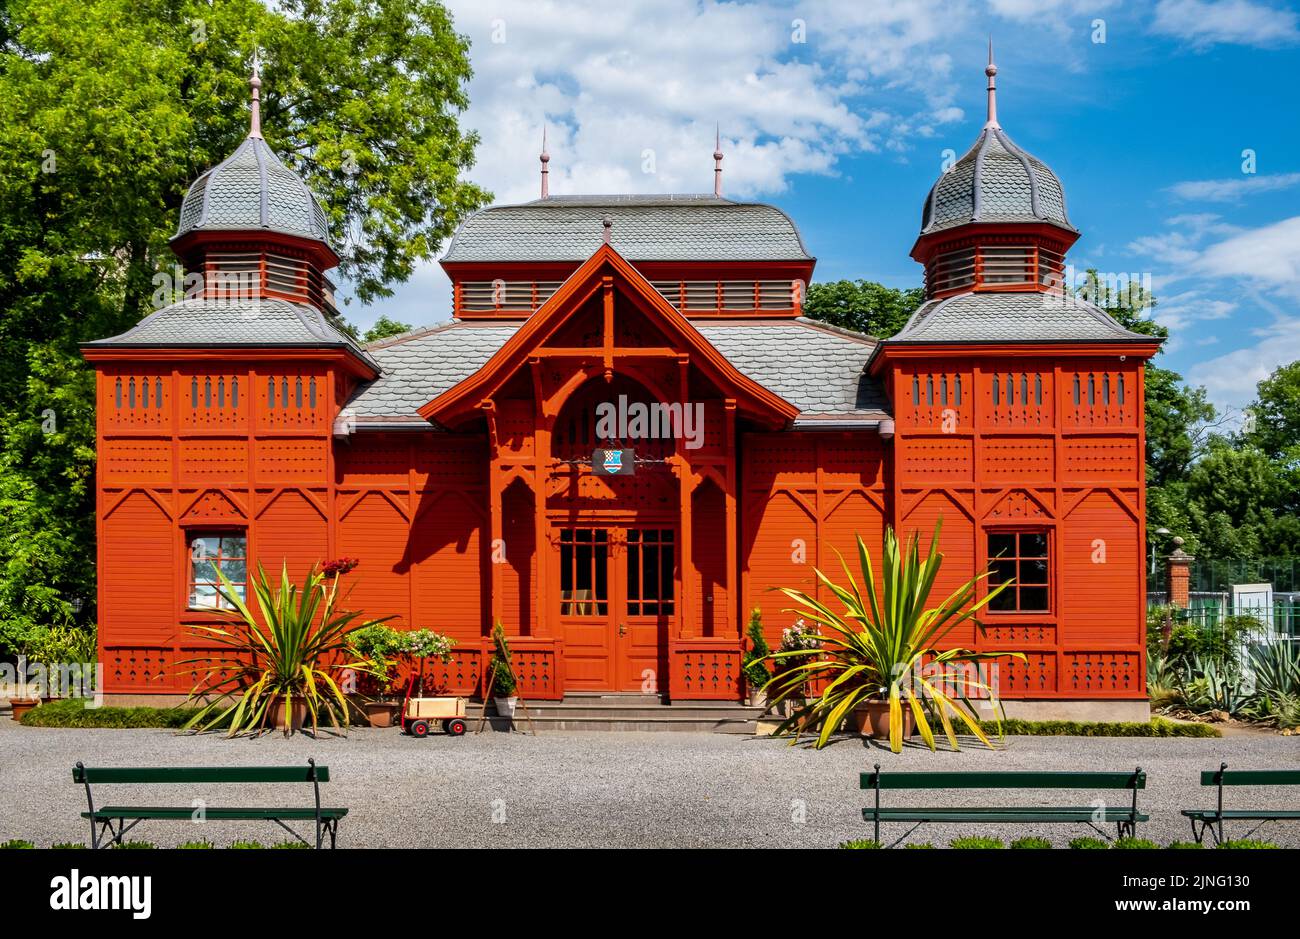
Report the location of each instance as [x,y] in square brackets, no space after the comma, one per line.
[626,713]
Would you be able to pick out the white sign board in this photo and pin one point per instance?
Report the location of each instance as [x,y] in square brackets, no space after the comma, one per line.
[1254,600]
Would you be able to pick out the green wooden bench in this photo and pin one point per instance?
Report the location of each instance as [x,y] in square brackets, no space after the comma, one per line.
[1212,819]
[110,823]
[1125,817]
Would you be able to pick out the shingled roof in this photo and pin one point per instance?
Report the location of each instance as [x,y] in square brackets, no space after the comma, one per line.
[235,322]
[645,228]
[1012,317]
[251,190]
[815,367]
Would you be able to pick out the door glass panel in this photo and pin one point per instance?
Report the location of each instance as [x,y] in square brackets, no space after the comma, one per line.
[650,563]
[584,572]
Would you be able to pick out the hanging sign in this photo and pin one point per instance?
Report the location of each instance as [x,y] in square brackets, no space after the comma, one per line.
[614,462]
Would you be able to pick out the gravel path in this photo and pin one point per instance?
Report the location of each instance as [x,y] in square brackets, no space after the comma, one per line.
[596,789]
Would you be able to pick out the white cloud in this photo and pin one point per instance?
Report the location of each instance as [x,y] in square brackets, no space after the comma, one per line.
[1203,23]
[1268,256]
[1232,189]
[1231,378]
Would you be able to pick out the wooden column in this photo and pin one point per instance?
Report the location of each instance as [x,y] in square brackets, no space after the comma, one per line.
[496,515]
[541,476]
[733,532]
[688,624]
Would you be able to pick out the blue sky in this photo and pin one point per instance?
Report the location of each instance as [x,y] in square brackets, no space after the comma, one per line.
[841,113]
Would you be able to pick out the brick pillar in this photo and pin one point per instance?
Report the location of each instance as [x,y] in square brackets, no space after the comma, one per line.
[1180,575]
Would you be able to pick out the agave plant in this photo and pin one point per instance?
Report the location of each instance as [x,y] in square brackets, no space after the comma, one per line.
[884,646]
[285,653]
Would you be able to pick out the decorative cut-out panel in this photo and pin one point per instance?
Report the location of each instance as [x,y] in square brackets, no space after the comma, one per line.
[1017,458]
[515,422]
[461,675]
[214,400]
[140,670]
[852,460]
[136,459]
[1101,457]
[1017,505]
[935,458]
[1099,398]
[1036,675]
[1016,397]
[204,459]
[535,671]
[1016,634]
[937,401]
[292,458]
[1103,673]
[383,460]
[136,402]
[213,507]
[292,400]
[704,671]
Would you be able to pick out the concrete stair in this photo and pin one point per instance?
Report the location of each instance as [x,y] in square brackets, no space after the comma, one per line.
[626,712]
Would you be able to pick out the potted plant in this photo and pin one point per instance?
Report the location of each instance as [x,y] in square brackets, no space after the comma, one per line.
[798,636]
[379,646]
[502,675]
[27,695]
[879,656]
[755,662]
[276,666]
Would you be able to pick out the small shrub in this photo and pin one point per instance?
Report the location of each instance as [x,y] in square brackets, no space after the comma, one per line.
[135,846]
[1185,846]
[290,845]
[16,843]
[1135,843]
[246,846]
[861,844]
[976,842]
[195,846]
[1248,844]
[923,845]
[66,846]
[1030,843]
[1156,727]
[1088,843]
[73,712]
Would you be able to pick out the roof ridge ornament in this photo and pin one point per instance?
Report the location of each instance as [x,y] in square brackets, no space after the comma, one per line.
[255,83]
[545,158]
[717,161]
[608,224]
[991,70]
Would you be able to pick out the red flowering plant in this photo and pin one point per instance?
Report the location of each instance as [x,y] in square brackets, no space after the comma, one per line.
[339,567]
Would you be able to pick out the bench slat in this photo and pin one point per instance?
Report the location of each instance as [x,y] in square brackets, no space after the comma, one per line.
[185,813]
[1252,777]
[1003,780]
[198,774]
[989,814]
[1215,814]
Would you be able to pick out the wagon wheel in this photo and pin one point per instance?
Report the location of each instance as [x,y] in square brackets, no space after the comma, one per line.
[455,726]
[419,729]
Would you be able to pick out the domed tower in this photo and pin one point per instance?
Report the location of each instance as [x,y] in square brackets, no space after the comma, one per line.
[1018,423]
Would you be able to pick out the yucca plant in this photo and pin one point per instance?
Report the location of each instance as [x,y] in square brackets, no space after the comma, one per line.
[883,646]
[287,651]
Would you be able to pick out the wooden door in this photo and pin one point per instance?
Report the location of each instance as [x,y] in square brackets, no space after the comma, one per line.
[618,604]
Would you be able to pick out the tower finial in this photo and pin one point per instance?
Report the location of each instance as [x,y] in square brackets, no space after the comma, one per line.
[545,158]
[991,70]
[608,224]
[255,83]
[717,160]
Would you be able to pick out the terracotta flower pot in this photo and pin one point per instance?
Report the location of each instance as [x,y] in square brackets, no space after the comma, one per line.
[297,714]
[22,705]
[380,713]
[872,719]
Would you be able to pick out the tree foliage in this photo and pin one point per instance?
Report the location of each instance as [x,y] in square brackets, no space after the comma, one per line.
[109,109]
[862,305]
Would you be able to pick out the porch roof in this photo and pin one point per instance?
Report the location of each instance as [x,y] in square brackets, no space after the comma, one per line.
[817,368]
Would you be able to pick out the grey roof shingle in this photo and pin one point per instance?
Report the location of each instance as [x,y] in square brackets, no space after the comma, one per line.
[995,181]
[1012,317]
[252,190]
[234,322]
[815,367]
[645,228]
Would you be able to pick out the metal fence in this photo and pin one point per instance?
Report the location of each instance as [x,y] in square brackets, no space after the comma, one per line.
[1280,623]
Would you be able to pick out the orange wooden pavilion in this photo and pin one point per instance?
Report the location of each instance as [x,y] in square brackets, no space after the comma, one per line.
[464,466]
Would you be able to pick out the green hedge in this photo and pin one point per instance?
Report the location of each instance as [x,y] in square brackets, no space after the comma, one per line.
[1156,727]
[976,842]
[72,712]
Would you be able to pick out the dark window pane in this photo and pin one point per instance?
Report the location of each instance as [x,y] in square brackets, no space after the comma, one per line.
[1033,572]
[1002,571]
[1033,545]
[1002,546]
[1006,600]
[1033,598]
